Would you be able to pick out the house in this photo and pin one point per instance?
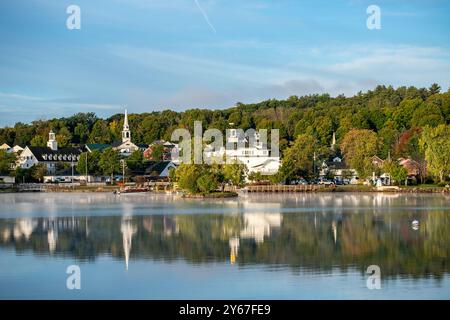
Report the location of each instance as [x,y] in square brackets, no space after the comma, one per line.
[248,150]
[156,170]
[336,167]
[377,162]
[5,147]
[169,149]
[50,155]
[126,147]
[412,167]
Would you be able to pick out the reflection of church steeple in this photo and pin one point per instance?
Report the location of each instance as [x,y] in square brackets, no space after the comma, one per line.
[234,249]
[128,230]
[52,238]
[334,228]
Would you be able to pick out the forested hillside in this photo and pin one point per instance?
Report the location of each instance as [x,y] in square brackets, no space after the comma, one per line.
[387,111]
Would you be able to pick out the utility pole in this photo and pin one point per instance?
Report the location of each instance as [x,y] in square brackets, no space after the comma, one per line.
[314,165]
[123,171]
[86,168]
[71,161]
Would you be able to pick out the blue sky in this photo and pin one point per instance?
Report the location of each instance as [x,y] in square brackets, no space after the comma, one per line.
[179,54]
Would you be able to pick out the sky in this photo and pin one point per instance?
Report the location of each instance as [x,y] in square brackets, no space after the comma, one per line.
[181,54]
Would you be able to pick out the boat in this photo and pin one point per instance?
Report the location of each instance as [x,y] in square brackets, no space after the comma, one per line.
[133,190]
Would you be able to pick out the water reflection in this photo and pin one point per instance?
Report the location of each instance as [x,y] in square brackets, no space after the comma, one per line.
[256,233]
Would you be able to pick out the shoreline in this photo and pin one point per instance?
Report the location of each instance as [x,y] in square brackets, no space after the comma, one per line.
[220,195]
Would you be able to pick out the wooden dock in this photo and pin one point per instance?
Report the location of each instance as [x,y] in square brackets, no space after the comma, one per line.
[288,188]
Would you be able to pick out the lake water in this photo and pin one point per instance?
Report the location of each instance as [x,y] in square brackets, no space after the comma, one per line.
[259,246]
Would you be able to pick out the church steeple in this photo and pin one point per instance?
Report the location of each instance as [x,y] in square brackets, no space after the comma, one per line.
[51,143]
[333,142]
[126,134]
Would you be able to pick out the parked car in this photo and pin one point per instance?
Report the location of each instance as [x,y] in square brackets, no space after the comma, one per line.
[300,181]
[326,182]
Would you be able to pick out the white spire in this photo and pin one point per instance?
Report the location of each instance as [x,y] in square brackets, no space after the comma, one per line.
[125,122]
[126,134]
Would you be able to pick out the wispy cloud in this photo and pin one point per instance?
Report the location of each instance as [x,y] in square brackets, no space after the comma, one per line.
[205,16]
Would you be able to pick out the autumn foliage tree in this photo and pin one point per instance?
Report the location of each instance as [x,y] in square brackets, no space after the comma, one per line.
[358,146]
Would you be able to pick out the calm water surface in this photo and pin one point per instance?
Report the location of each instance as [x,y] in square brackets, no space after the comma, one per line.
[298,246]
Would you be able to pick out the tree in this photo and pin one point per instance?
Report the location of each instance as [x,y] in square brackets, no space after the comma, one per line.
[436,144]
[207,183]
[408,146]
[7,161]
[100,132]
[39,171]
[256,177]
[397,172]
[81,133]
[434,88]
[298,159]
[157,152]
[358,146]
[136,161]
[187,176]
[234,173]
[64,137]
[109,162]
[38,141]
[93,159]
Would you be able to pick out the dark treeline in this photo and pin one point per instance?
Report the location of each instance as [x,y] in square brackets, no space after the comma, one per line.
[385,110]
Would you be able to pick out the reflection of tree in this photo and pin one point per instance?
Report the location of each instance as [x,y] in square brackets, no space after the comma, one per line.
[315,242]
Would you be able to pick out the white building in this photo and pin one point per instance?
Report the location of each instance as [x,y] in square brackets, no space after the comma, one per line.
[248,150]
[49,155]
[8,149]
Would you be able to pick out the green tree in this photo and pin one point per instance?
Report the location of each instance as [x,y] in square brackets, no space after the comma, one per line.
[81,133]
[298,159]
[358,146]
[207,183]
[397,172]
[135,161]
[38,141]
[109,162]
[157,152]
[434,89]
[39,171]
[63,137]
[7,161]
[187,176]
[100,132]
[234,173]
[93,159]
[436,144]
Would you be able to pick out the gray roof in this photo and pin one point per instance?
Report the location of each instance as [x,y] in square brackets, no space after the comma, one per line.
[44,154]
